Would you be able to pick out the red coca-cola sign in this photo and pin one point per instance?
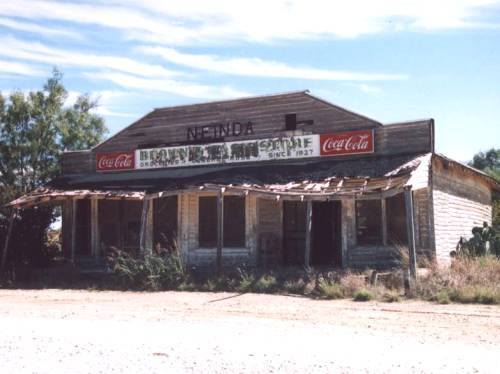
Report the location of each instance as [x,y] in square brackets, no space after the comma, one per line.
[115,161]
[347,143]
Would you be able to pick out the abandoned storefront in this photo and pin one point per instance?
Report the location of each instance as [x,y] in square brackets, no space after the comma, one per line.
[285,179]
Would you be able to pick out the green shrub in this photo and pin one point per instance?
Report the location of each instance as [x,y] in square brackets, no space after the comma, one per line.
[329,290]
[246,281]
[265,283]
[151,272]
[363,295]
[442,297]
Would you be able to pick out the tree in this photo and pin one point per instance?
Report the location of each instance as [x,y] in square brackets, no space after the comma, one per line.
[489,162]
[35,129]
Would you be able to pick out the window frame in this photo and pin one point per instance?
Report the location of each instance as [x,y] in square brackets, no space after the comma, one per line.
[245,223]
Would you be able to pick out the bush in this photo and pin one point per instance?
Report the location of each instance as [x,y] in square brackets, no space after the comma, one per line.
[265,284]
[329,290]
[467,280]
[151,272]
[484,241]
[363,295]
[294,287]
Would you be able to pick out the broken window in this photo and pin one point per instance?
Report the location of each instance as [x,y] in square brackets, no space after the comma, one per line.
[234,221]
[369,222]
[396,220]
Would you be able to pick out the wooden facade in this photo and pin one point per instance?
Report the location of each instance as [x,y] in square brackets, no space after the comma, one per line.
[354,210]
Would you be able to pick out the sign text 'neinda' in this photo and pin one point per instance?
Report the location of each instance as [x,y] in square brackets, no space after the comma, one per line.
[283,148]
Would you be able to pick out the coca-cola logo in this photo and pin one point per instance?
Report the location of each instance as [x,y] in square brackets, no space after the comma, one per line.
[353,142]
[115,161]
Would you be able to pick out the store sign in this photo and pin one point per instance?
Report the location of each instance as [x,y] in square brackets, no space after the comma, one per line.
[115,161]
[354,142]
[229,152]
[283,148]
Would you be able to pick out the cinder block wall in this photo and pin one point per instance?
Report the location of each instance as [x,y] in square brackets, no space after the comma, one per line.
[461,201]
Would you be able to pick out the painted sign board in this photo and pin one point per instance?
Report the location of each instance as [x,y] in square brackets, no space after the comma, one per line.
[270,149]
[113,161]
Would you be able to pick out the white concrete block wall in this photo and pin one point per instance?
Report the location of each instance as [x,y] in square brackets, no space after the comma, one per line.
[461,201]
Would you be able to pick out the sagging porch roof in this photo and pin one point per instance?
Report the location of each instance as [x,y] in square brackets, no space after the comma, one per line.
[413,172]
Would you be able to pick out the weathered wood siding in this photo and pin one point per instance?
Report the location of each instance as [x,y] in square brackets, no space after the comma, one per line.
[267,113]
[169,125]
[460,202]
[270,231]
[422,222]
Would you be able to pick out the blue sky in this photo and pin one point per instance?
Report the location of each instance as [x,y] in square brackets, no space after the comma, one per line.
[391,60]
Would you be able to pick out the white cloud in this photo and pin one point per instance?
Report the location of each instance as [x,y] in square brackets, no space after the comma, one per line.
[195,21]
[18,68]
[182,88]
[38,29]
[37,52]
[256,67]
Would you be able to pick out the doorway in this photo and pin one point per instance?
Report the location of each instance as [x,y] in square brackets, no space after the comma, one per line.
[325,233]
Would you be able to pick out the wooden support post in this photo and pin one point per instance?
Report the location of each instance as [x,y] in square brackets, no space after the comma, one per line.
[384,221]
[410,228]
[149,229]
[307,252]
[94,228]
[73,228]
[144,223]
[12,217]
[220,230]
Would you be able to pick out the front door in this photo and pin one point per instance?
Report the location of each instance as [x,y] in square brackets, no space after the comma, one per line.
[325,233]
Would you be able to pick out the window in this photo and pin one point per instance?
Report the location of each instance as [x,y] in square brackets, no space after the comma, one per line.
[234,221]
[369,222]
[396,220]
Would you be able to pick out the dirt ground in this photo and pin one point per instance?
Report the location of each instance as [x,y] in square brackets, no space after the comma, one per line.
[55,331]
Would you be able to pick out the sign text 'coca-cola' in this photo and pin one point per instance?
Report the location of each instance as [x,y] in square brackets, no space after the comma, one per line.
[115,161]
[353,142]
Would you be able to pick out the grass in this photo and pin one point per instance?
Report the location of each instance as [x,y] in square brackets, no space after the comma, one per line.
[467,280]
[363,295]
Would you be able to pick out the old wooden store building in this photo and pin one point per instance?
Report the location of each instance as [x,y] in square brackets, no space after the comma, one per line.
[285,179]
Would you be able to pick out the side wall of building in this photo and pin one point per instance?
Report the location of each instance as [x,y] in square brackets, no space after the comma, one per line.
[461,201]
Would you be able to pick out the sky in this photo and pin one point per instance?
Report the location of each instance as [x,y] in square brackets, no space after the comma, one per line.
[391,60]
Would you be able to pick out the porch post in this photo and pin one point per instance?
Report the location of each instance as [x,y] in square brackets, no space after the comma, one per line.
[410,228]
[307,254]
[384,221]
[220,230]
[73,228]
[144,219]
[12,217]
[94,228]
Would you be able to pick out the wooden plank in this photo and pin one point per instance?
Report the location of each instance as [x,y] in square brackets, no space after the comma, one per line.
[410,227]
[94,228]
[220,230]
[74,204]
[384,221]
[307,251]
[144,219]
[12,217]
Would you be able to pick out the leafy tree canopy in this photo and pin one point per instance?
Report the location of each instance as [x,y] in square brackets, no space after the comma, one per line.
[488,161]
[35,128]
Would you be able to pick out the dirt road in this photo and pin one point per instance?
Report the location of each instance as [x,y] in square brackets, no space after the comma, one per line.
[54,331]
